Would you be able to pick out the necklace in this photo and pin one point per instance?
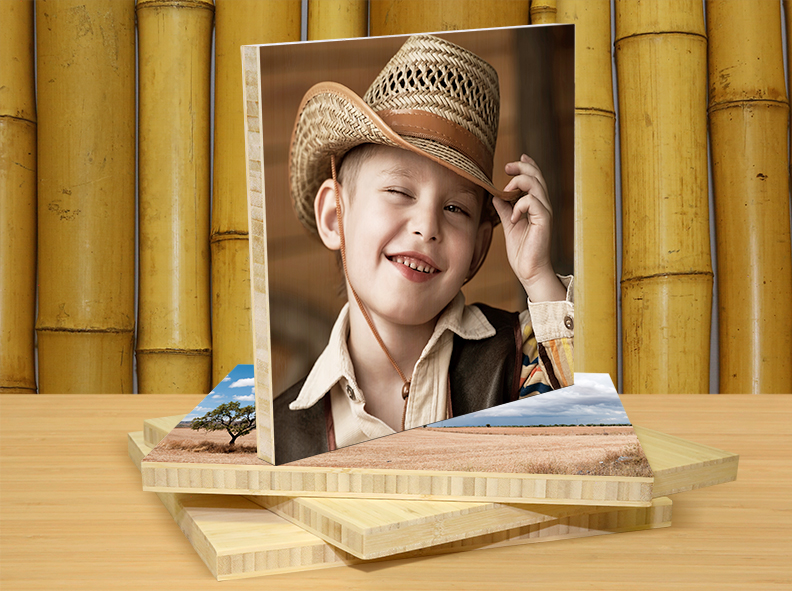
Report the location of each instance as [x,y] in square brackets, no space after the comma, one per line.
[405,381]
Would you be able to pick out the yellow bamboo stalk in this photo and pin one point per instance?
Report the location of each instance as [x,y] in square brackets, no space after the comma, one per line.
[17,199]
[238,22]
[337,19]
[544,12]
[749,117]
[86,205]
[661,53]
[596,336]
[174,335]
[399,17]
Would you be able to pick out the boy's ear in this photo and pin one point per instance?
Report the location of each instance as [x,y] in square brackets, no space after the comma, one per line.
[326,218]
[483,239]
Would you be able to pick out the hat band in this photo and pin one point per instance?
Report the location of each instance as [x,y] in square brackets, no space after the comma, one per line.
[422,124]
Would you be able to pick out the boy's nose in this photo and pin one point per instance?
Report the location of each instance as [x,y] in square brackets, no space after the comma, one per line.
[426,225]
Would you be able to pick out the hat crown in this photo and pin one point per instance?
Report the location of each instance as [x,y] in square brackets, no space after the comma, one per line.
[433,75]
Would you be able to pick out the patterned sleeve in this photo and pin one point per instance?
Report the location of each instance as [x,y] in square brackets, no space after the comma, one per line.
[548,330]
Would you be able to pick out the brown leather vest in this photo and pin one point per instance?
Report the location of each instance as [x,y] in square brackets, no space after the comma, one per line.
[482,374]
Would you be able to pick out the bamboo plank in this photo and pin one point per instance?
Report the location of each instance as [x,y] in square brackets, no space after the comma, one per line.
[236,538]
[155,430]
[678,465]
[596,338]
[749,117]
[86,189]
[400,17]
[337,19]
[666,274]
[544,12]
[238,22]
[17,199]
[174,335]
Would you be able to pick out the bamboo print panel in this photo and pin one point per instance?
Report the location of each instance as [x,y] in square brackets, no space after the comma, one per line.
[399,17]
[595,197]
[667,274]
[295,278]
[369,528]
[86,195]
[238,22]
[174,336]
[236,538]
[749,118]
[17,199]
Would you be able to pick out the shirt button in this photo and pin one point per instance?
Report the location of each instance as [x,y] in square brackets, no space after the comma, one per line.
[350,392]
[568,322]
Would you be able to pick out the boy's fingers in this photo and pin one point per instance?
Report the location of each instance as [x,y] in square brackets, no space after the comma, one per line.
[527,168]
[532,207]
[530,185]
[504,210]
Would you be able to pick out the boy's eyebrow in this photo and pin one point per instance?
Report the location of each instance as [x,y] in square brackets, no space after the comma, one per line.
[409,173]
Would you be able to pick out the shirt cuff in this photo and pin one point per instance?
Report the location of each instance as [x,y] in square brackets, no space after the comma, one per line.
[554,320]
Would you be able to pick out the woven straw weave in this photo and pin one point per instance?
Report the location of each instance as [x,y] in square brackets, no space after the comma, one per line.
[427,74]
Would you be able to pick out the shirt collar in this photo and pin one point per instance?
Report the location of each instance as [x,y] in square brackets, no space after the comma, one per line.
[335,365]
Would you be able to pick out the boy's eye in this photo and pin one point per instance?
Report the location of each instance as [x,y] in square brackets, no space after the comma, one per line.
[397,191]
[456,209]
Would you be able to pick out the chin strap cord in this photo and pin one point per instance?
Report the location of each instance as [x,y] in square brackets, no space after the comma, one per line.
[406,382]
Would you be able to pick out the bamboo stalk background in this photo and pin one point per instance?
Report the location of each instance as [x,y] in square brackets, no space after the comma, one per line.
[337,19]
[666,274]
[544,12]
[237,22]
[174,334]
[399,17]
[596,338]
[86,189]
[17,199]
[749,117]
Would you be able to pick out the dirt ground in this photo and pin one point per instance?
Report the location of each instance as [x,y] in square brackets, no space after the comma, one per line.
[565,450]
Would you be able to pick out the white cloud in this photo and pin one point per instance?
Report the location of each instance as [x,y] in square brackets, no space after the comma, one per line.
[249,397]
[216,396]
[226,379]
[244,382]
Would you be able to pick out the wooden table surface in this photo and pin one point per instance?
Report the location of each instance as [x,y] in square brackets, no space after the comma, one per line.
[73,515]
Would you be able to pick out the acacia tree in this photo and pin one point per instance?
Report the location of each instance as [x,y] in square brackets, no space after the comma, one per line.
[235,419]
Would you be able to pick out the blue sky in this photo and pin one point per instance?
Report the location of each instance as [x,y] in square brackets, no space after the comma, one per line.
[591,400]
[236,386]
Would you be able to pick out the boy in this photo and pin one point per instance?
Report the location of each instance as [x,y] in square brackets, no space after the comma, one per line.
[400,183]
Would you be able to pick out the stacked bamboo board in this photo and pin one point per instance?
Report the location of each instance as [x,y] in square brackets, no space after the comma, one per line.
[245,532]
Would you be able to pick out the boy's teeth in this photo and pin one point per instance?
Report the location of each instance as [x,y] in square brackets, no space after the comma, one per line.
[413,265]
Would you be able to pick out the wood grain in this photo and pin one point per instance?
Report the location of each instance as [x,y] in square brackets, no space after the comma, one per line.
[238,539]
[70,494]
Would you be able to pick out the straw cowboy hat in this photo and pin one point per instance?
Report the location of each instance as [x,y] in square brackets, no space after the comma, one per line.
[433,98]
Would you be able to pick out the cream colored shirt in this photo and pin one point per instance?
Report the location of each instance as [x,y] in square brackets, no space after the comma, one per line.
[333,371]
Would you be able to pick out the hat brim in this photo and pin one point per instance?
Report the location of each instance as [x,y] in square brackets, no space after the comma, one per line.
[332,120]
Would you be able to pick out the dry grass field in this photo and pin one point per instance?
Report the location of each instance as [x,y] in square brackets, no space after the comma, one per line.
[189,446]
[599,451]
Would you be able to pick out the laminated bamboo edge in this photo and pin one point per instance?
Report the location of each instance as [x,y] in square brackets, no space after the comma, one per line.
[174,334]
[86,195]
[362,483]
[237,539]
[155,430]
[259,273]
[238,22]
[17,255]
[543,12]
[337,19]
[400,17]
[749,118]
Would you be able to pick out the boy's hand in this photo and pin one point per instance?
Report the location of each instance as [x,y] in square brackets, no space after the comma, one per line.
[528,228]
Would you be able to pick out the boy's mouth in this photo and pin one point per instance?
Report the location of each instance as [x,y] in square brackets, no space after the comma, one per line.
[415,264]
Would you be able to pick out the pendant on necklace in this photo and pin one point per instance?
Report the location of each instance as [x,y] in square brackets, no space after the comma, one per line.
[405,390]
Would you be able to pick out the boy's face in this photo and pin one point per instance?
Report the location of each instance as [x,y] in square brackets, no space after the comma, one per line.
[413,231]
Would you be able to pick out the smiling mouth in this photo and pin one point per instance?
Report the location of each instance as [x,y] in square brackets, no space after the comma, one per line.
[415,264]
